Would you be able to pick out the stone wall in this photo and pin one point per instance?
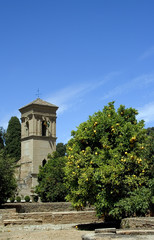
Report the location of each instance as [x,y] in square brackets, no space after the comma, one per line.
[45,213]
[6,213]
[42,207]
[138,222]
[70,217]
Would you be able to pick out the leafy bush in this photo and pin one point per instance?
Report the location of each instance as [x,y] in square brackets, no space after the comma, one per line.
[12,199]
[18,199]
[107,164]
[135,204]
[7,179]
[35,198]
[61,149]
[27,198]
[51,186]
[2,138]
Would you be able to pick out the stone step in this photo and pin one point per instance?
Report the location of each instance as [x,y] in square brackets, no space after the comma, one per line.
[7,211]
[22,222]
[138,222]
[75,217]
[105,230]
[135,231]
[120,234]
[7,214]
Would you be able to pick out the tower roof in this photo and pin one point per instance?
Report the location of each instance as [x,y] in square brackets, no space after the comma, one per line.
[39,102]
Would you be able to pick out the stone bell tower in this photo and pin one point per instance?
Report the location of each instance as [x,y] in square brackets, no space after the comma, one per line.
[38,139]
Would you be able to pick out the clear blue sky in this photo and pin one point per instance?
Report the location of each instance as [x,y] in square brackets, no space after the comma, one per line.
[81,54]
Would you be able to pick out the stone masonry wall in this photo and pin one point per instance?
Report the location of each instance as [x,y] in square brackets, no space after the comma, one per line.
[42,207]
[138,222]
[71,217]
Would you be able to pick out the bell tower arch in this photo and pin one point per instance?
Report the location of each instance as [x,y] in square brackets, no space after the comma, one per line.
[38,139]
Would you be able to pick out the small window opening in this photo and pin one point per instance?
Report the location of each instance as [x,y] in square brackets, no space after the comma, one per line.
[27,128]
[44,127]
[44,162]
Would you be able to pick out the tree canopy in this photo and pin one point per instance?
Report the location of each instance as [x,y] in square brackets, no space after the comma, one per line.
[51,186]
[107,164]
[61,149]
[7,179]
[150,157]
[2,136]
[13,138]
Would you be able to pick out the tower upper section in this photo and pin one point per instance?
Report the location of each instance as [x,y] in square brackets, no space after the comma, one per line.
[38,119]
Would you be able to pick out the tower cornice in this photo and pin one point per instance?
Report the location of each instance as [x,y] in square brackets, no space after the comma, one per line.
[38,103]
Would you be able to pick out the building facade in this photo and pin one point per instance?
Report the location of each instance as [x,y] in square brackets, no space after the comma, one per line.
[38,139]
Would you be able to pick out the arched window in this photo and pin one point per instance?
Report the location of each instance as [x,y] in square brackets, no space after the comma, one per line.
[27,128]
[44,126]
[44,162]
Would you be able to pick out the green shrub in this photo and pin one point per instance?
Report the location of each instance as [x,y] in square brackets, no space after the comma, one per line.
[7,180]
[51,187]
[18,198]
[12,199]
[27,198]
[35,198]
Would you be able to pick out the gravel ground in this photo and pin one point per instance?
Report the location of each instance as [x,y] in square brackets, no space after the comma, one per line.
[72,234]
[57,232]
[41,232]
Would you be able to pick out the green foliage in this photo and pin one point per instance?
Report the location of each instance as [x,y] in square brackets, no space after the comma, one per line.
[7,180]
[61,149]
[27,198]
[13,136]
[12,199]
[136,203]
[150,131]
[2,138]
[150,150]
[35,198]
[107,164]
[51,186]
[150,156]
[18,199]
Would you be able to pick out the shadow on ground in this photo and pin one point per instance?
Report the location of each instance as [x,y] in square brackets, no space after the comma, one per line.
[93,226]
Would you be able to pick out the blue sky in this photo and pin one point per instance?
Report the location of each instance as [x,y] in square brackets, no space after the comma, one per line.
[81,54]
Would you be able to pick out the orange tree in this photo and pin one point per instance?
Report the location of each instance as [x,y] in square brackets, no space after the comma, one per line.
[107,166]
